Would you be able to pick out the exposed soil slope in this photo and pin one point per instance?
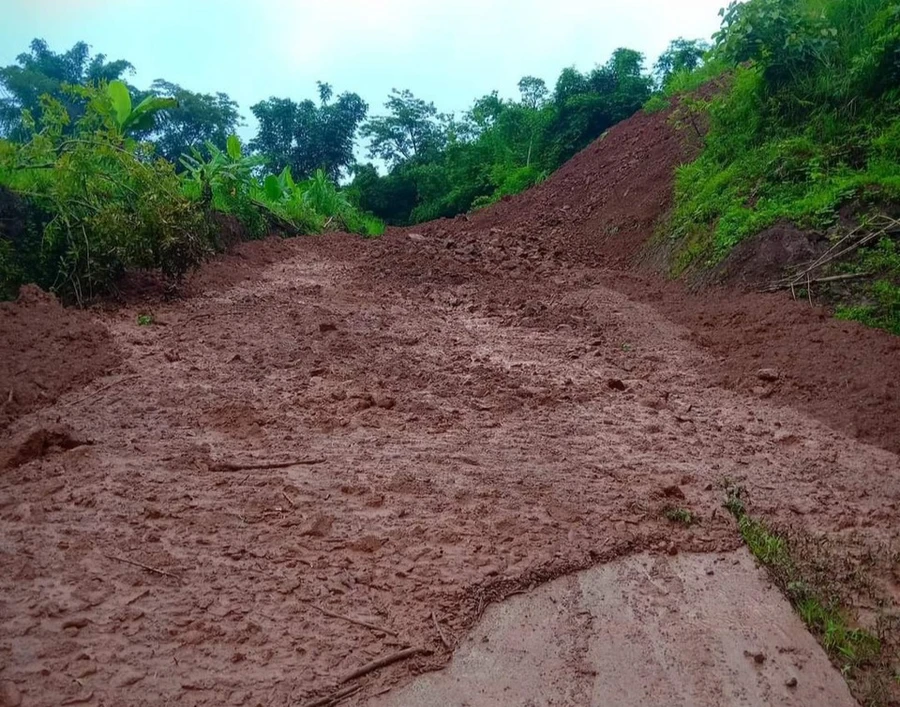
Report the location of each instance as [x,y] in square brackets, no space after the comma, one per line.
[475,406]
[46,350]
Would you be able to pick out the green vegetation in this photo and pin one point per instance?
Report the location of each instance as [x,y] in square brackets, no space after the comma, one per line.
[680,515]
[880,299]
[103,202]
[807,578]
[808,122]
[440,165]
[97,178]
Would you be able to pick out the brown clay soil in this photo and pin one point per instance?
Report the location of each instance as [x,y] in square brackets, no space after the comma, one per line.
[473,407]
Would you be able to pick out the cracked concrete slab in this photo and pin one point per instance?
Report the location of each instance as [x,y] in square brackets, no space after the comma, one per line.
[692,630]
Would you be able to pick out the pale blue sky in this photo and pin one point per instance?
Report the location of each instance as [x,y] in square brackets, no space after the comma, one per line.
[447,52]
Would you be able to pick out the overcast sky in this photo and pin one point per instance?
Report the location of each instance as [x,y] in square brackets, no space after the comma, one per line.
[446,52]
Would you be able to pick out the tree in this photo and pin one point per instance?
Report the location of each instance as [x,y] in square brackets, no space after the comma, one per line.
[41,71]
[681,55]
[197,119]
[305,136]
[411,129]
[586,105]
[533,92]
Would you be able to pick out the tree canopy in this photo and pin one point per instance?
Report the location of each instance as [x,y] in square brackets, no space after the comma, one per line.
[305,136]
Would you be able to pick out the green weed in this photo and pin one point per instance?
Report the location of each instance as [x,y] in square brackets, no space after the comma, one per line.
[145,320]
[680,515]
[815,600]
[806,124]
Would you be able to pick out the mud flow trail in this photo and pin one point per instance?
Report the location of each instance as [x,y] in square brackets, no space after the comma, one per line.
[465,447]
[335,451]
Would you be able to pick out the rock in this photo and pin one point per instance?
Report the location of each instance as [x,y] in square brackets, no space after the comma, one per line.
[320,526]
[40,442]
[385,402]
[325,327]
[76,623]
[791,682]
[616,384]
[129,678]
[415,237]
[769,375]
[9,694]
[673,491]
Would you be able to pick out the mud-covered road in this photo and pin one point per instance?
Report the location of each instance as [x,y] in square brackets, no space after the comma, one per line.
[454,444]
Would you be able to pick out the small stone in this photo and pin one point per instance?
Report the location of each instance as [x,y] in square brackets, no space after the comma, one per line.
[76,623]
[791,682]
[415,237]
[129,678]
[320,526]
[616,384]
[673,549]
[769,375]
[385,402]
[9,694]
[673,491]
[759,658]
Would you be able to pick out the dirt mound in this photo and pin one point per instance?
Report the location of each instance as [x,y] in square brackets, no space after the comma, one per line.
[37,443]
[759,261]
[46,351]
[599,211]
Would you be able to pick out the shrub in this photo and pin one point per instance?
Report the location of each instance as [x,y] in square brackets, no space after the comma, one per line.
[807,123]
[109,205]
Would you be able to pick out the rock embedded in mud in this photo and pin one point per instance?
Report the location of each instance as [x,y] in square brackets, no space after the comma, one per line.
[9,694]
[39,442]
[769,375]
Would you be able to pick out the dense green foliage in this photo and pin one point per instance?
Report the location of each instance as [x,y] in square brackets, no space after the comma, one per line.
[307,137]
[808,123]
[86,191]
[442,166]
[108,204]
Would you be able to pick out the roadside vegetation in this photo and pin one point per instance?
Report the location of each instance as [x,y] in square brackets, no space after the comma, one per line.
[807,123]
[822,588]
[794,107]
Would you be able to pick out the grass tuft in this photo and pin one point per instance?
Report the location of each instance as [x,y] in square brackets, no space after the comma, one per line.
[861,655]
[680,515]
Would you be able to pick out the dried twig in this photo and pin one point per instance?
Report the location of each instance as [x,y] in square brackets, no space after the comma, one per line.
[822,280]
[288,499]
[143,567]
[251,466]
[334,697]
[351,620]
[137,597]
[101,390]
[384,662]
[437,627]
[881,225]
